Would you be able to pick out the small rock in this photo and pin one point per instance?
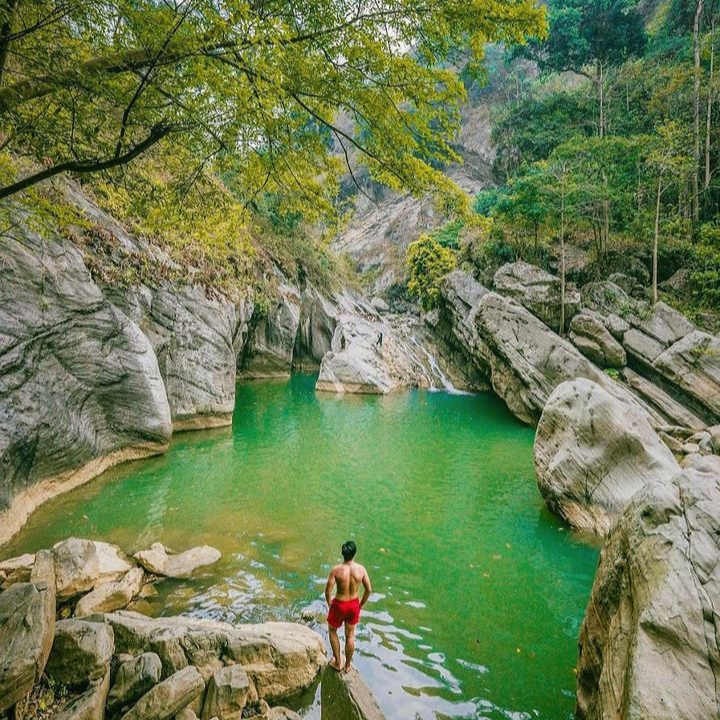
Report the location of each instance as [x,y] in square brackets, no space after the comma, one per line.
[380,305]
[227,694]
[709,464]
[186,714]
[157,560]
[170,696]
[132,680]
[714,433]
[674,444]
[280,713]
[16,570]
[81,652]
[147,591]
[691,448]
[112,561]
[706,446]
[77,566]
[111,595]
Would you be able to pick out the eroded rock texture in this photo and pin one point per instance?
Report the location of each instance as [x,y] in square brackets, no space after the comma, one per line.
[649,644]
[593,453]
[80,386]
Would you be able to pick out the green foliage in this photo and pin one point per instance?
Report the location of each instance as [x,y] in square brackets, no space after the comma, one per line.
[428,262]
[249,90]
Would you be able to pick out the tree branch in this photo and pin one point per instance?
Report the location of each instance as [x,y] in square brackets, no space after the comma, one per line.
[157,133]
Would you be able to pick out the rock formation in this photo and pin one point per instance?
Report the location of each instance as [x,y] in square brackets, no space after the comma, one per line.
[649,641]
[593,453]
[108,401]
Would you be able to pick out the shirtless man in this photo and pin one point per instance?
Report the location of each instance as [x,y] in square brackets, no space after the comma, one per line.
[345,606]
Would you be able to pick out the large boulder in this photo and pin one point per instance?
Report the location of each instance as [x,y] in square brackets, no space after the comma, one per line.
[649,641]
[589,334]
[108,400]
[524,359]
[538,291]
[269,349]
[369,356]
[345,696]
[109,596]
[132,680]
[89,705]
[81,652]
[194,335]
[159,561]
[27,628]
[168,697]
[281,659]
[593,453]
[77,566]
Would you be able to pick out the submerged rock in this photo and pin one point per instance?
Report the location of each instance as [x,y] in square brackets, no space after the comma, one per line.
[159,561]
[108,400]
[593,453]
[648,644]
[281,659]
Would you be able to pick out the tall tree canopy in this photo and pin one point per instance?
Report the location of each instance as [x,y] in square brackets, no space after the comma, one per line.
[262,87]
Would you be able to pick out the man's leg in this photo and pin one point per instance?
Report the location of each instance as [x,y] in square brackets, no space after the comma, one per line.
[349,645]
[335,645]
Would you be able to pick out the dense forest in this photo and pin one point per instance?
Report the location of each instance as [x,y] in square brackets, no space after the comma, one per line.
[607,150]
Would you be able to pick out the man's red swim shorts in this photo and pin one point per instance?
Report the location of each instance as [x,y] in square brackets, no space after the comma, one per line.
[344,611]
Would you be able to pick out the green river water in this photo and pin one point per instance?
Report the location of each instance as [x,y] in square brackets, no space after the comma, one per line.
[479,592]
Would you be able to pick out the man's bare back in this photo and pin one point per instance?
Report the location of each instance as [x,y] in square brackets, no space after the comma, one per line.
[348,578]
[344,608]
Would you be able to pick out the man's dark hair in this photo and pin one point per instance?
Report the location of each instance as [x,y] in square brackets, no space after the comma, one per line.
[348,550]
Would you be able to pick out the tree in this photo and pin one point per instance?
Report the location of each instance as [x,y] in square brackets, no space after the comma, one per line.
[671,166]
[588,37]
[428,263]
[88,85]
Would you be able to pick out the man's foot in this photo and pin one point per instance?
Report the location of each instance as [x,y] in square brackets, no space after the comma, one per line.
[335,665]
[348,667]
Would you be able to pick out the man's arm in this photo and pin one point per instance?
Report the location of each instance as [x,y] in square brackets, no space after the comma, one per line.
[367,589]
[329,586]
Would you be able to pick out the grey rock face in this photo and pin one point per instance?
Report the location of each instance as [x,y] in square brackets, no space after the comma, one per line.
[593,453]
[81,652]
[281,659]
[523,358]
[27,626]
[195,338]
[227,694]
[157,560]
[269,350]
[318,319]
[170,696]
[369,357]
[592,338]
[538,291]
[132,680]
[648,644]
[108,400]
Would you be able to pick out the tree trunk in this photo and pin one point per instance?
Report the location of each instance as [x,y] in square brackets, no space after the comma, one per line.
[8,9]
[708,118]
[655,242]
[695,200]
[600,80]
[562,257]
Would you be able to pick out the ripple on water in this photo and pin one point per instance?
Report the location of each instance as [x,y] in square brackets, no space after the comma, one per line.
[479,595]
